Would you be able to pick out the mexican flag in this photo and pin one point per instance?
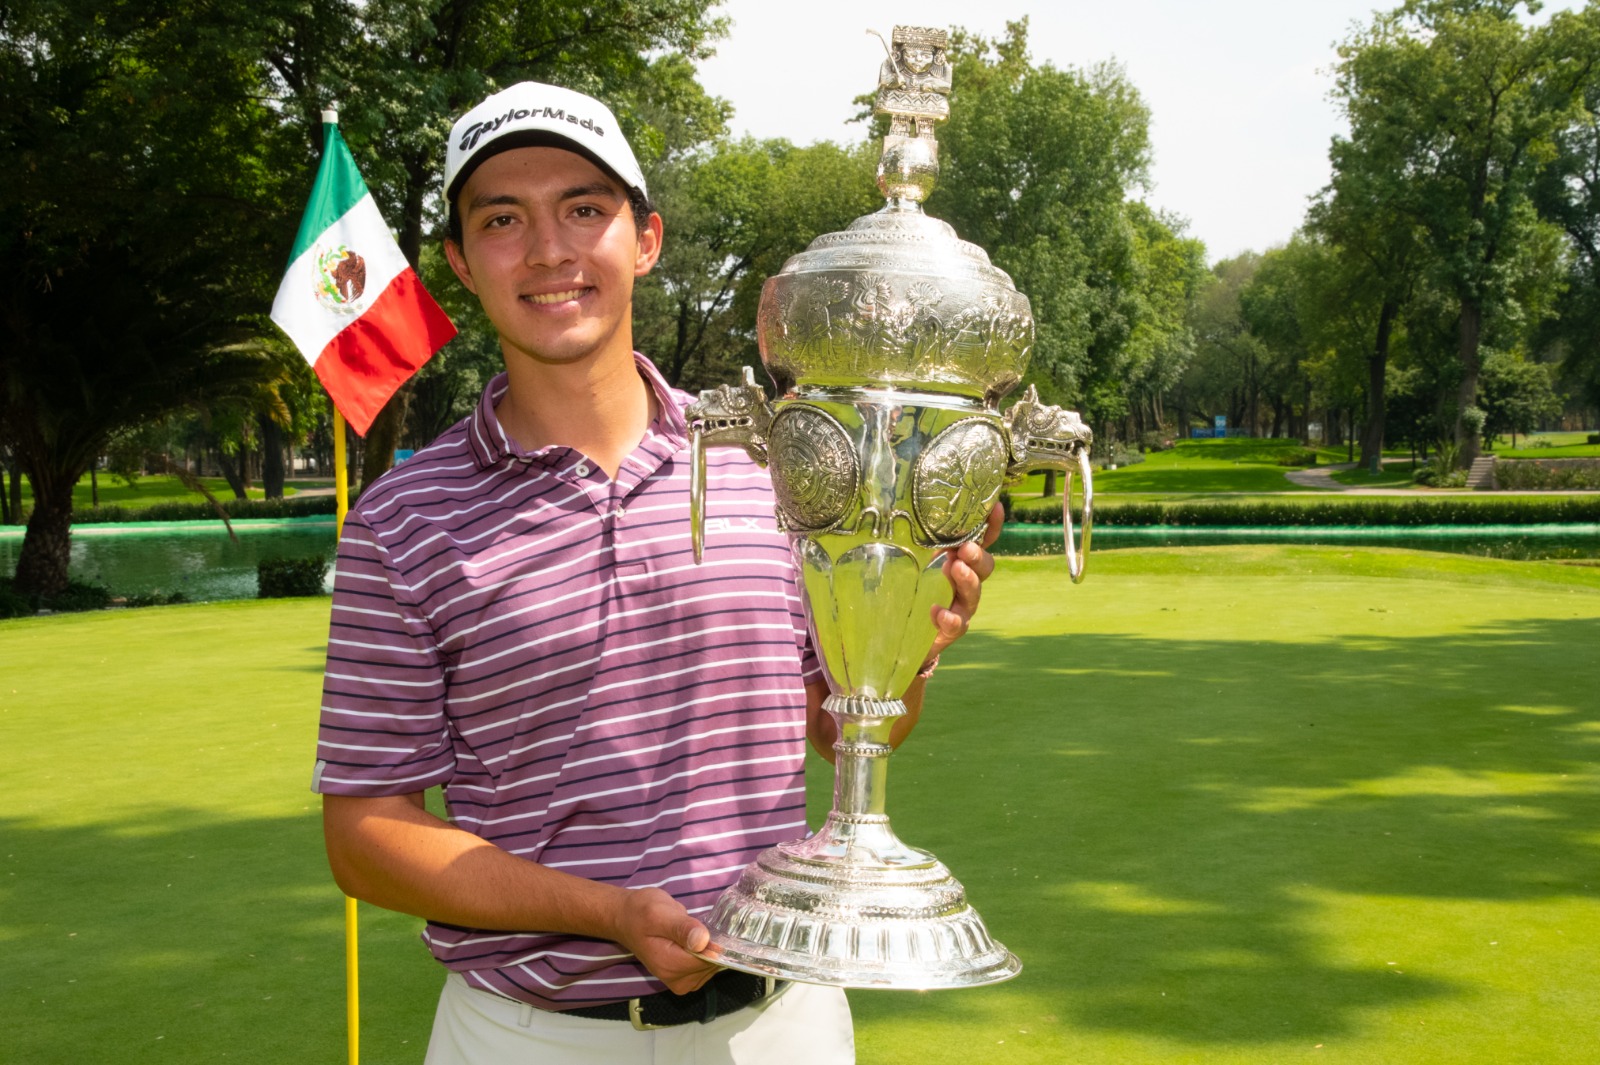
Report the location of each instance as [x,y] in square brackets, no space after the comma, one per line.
[350,301]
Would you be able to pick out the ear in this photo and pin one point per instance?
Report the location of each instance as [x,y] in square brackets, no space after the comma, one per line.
[458,263]
[649,246]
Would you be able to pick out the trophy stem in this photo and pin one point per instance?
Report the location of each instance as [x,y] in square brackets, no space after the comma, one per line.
[861,753]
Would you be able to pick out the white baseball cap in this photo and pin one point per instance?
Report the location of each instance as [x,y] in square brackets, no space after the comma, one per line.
[531,114]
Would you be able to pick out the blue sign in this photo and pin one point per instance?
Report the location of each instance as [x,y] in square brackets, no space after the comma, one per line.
[1222,424]
[402,453]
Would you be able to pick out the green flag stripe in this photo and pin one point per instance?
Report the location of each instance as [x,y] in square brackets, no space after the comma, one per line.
[338,188]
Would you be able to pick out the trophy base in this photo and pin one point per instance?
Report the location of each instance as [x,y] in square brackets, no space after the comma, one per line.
[852,906]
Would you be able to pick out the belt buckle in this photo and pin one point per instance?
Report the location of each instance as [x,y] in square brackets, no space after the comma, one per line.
[636,1018]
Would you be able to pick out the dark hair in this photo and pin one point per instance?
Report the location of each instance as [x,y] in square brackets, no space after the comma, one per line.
[638,202]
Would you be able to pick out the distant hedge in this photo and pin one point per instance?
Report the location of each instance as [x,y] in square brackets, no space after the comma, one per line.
[1547,473]
[292,507]
[1350,510]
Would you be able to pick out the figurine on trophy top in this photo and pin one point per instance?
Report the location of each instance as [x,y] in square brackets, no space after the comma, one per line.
[912,88]
[914,80]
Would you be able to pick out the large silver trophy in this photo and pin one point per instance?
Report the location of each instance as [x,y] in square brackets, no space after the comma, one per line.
[890,345]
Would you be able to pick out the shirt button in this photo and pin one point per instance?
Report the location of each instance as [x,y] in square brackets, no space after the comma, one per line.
[618,513]
[582,470]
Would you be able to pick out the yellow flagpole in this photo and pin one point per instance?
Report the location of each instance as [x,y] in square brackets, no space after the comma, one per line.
[352,961]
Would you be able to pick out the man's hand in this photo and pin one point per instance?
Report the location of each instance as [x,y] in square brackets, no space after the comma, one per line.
[662,935]
[966,567]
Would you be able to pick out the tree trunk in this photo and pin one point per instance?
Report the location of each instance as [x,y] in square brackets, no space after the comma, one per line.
[1469,330]
[47,545]
[5,498]
[1049,483]
[271,458]
[233,473]
[16,494]
[377,452]
[1377,373]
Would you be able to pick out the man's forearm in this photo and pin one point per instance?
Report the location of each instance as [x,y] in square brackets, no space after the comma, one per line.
[394,853]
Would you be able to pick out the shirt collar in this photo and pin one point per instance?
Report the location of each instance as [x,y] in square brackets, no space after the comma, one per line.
[491,446]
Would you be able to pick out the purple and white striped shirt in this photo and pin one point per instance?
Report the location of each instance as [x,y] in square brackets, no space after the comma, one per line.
[538,639]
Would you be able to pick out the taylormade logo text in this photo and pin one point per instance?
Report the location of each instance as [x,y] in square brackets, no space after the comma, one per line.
[476,132]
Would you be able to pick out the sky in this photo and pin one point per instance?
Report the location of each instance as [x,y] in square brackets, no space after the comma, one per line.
[1237,89]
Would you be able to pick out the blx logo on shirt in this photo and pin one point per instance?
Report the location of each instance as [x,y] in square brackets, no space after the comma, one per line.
[722,525]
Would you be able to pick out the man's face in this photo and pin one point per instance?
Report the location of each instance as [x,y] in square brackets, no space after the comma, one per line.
[918,58]
[549,247]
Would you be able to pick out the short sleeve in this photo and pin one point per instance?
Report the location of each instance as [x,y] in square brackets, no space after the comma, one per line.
[383,729]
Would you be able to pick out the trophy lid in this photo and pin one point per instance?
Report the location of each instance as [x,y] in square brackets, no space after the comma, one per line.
[898,300]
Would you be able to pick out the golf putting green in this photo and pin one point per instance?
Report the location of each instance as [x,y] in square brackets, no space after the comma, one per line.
[1229,805]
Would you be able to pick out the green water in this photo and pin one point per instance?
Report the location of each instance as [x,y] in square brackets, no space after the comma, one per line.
[1518,542]
[193,557]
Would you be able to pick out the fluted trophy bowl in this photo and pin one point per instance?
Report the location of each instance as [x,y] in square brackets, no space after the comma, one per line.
[890,345]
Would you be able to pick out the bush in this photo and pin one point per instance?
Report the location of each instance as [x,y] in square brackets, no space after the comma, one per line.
[1594,438]
[1552,474]
[1121,455]
[293,507]
[1304,456]
[284,578]
[155,599]
[1155,440]
[76,596]
[1482,509]
[1438,474]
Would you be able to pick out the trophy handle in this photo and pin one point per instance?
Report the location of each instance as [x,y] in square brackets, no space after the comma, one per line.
[697,492]
[1042,437]
[725,416]
[1078,554]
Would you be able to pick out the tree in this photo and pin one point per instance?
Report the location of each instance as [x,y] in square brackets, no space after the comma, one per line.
[1569,196]
[1466,99]
[401,70]
[1225,376]
[1376,244]
[1036,166]
[735,212]
[136,229]
[1516,396]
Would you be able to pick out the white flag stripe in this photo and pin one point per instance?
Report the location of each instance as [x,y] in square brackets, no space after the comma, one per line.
[311,323]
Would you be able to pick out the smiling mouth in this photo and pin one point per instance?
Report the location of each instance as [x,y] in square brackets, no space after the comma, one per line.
[555,297]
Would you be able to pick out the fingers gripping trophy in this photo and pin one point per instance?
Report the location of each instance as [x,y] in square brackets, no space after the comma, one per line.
[891,345]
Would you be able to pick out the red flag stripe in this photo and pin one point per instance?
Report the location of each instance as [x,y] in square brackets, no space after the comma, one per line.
[366,362]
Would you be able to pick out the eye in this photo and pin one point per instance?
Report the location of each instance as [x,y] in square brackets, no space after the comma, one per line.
[498,221]
[587,210]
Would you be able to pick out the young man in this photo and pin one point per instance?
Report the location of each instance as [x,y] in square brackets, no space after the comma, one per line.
[518,618]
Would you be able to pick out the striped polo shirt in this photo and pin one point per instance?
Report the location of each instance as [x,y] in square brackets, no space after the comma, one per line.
[537,639]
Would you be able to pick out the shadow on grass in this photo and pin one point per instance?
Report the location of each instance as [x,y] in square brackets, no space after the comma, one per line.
[178,936]
[1157,826]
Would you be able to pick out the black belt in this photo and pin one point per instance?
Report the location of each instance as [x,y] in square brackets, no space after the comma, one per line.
[727,992]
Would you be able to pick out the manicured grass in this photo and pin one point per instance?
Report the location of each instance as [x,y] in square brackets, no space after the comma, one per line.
[1548,446]
[1205,466]
[148,490]
[1394,475]
[1227,804]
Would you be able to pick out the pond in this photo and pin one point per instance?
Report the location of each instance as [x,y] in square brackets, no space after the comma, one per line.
[1517,542]
[193,557]
[197,558]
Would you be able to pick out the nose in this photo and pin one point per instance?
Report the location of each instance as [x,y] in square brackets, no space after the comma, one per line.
[548,245]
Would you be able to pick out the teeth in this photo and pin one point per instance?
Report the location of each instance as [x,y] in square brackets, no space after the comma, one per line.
[557,297]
